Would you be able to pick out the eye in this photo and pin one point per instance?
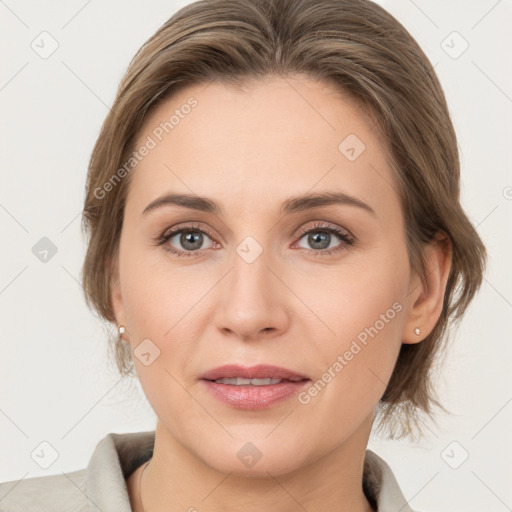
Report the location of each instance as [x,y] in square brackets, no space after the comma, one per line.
[188,241]
[321,238]
[190,238]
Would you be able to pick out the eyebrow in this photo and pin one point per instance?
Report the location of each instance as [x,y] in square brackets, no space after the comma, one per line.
[291,205]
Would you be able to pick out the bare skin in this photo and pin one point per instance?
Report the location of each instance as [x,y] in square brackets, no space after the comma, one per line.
[293,306]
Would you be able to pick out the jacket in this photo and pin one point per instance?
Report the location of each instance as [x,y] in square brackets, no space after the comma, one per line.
[101,486]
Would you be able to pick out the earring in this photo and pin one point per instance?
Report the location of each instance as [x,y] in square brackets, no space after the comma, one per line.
[121,329]
[417,331]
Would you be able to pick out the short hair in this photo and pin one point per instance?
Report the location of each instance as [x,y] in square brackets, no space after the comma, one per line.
[367,55]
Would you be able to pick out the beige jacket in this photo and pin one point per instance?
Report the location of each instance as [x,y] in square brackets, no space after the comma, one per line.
[101,487]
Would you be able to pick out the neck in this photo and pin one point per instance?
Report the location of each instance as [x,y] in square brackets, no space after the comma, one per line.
[177,480]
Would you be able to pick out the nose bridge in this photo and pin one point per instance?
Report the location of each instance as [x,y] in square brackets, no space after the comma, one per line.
[250,281]
[251,299]
[252,255]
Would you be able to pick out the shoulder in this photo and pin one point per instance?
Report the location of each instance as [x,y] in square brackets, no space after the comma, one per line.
[99,486]
[64,492]
[380,483]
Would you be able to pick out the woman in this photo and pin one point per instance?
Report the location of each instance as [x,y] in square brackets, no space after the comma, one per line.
[275,230]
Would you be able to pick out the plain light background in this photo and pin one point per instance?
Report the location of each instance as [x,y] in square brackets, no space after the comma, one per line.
[57,385]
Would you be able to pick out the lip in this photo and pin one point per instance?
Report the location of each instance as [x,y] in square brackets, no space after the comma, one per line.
[249,396]
[260,371]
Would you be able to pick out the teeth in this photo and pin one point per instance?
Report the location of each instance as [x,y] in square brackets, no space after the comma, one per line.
[239,381]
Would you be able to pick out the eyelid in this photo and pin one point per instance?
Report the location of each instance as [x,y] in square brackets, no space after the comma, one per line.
[170,233]
[301,231]
[325,225]
[186,227]
[345,236]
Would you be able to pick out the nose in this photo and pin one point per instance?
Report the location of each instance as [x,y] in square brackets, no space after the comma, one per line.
[252,301]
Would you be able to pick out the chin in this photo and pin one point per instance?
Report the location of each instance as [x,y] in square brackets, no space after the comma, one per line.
[257,458]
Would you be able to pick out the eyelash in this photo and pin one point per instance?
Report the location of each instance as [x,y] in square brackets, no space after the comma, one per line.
[319,227]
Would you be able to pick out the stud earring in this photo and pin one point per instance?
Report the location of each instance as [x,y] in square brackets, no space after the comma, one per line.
[417,331]
[121,329]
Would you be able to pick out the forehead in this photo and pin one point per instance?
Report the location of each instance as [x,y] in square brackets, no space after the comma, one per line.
[276,137]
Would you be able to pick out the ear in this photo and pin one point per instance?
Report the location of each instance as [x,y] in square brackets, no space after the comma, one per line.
[426,295]
[116,297]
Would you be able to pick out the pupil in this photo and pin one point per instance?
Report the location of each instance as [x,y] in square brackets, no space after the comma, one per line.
[319,238]
[187,240]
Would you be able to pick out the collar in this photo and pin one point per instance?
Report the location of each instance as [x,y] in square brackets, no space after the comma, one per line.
[116,456]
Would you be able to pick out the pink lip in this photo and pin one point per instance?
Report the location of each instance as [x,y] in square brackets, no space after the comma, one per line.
[249,396]
[260,371]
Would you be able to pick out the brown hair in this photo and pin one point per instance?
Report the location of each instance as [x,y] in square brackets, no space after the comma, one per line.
[367,54]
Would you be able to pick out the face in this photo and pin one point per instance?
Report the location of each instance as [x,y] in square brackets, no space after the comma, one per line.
[317,287]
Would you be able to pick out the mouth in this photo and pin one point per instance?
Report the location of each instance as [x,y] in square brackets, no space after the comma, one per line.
[241,381]
[256,387]
[257,375]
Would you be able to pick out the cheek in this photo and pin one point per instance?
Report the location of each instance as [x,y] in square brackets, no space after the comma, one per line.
[156,292]
[159,301]
[357,341]
[353,367]
[356,295]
